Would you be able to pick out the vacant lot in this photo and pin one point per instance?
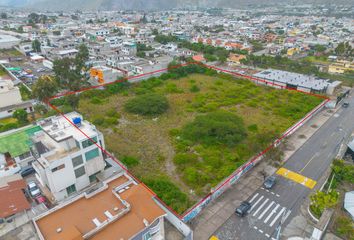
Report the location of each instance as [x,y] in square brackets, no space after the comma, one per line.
[157,149]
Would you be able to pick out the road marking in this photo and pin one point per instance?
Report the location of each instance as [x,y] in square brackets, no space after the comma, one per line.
[267,235]
[295,177]
[261,231]
[267,190]
[260,207]
[264,212]
[271,214]
[276,217]
[262,188]
[287,214]
[308,163]
[255,227]
[254,197]
[272,193]
[277,195]
[256,203]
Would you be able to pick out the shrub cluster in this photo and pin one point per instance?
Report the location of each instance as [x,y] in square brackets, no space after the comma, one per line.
[147,104]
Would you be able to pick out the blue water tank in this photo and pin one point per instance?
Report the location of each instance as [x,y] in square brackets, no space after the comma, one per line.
[77,121]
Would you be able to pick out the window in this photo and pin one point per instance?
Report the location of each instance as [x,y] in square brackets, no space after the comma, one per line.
[79,172]
[71,189]
[25,155]
[93,177]
[91,154]
[77,144]
[88,142]
[58,168]
[77,161]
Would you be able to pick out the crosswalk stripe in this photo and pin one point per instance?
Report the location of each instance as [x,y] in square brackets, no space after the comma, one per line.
[256,203]
[276,218]
[271,214]
[266,210]
[260,207]
[254,197]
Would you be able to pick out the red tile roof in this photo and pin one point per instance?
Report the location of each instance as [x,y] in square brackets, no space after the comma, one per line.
[12,198]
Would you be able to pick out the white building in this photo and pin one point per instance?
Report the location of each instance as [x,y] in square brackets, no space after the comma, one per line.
[10,99]
[7,41]
[66,160]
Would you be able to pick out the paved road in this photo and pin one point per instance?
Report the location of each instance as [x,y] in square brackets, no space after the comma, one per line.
[284,200]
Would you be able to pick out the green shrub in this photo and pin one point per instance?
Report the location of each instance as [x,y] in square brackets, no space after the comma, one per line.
[96,100]
[194,89]
[172,88]
[183,159]
[98,120]
[321,200]
[112,113]
[9,126]
[130,161]
[218,127]
[168,192]
[253,128]
[110,121]
[344,227]
[147,104]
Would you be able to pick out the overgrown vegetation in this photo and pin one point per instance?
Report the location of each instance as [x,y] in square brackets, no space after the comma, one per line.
[214,124]
[148,104]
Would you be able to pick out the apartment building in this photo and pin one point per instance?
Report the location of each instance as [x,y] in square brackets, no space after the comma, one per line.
[120,208]
[66,161]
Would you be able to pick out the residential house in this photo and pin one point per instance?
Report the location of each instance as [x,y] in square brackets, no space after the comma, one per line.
[66,160]
[13,200]
[120,208]
[10,99]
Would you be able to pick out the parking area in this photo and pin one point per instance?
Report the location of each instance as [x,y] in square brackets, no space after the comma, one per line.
[23,67]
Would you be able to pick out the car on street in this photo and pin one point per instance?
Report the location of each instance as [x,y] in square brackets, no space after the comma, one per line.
[33,189]
[26,171]
[345,104]
[269,182]
[243,209]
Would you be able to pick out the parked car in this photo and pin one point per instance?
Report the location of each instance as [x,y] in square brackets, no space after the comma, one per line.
[345,104]
[28,170]
[243,209]
[269,182]
[40,199]
[33,189]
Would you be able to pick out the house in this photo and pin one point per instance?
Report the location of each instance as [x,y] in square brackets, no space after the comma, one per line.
[340,67]
[235,59]
[15,149]
[7,41]
[198,58]
[120,208]
[10,99]
[103,74]
[13,200]
[66,160]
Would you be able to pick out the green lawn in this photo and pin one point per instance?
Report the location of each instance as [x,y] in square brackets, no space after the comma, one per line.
[192,167]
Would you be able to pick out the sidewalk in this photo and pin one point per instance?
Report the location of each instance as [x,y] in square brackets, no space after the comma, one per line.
[214,215]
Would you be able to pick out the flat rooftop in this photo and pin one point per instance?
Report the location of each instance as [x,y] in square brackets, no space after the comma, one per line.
[297,79]
[17,142]
[80,217]
[60,129]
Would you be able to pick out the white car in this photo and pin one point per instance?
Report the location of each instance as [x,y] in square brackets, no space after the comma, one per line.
[33,189]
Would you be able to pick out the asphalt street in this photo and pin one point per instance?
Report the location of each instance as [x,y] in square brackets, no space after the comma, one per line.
[282,203]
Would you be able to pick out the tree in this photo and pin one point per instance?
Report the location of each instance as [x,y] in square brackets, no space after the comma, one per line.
[21,116]
[147,104]
[216,128]
[320,48]
[73,101]
[344,49]
[44,88]
[82,57]
[36,46]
